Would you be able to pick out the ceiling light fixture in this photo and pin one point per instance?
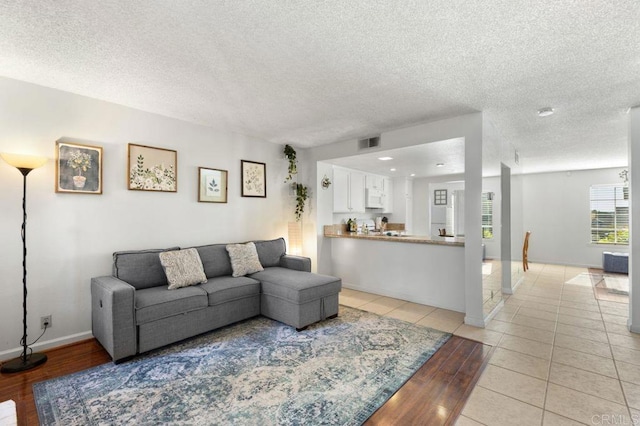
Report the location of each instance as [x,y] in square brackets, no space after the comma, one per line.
[393,170]
[545,112]
[412,174]
[385,158]
[439,164]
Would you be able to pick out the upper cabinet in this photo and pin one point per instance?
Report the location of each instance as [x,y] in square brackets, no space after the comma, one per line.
[374,182]
[348,191]
[351,188]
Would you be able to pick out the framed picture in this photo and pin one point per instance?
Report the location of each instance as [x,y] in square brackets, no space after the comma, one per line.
[440,197]
[254,179]
[78,168]
[213,185]
[153,169]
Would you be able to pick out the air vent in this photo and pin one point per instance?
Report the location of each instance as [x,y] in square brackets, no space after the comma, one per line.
[367,143]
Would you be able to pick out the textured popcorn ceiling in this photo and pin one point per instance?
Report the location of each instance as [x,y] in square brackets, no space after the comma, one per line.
[310,72]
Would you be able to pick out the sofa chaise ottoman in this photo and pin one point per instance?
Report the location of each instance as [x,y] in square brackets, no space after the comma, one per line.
[134,311]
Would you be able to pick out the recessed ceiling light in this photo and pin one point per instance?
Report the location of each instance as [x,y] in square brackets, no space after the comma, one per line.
[393,170]
[385,158]
[412,174]
[439,164]
[545,112]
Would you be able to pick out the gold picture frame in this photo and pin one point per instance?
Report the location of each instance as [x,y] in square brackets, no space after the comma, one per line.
[212,185]
[152,169]
[78,168]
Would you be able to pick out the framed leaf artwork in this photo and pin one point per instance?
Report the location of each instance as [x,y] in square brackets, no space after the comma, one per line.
[212,185]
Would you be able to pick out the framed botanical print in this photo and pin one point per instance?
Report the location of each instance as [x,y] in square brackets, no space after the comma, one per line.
[212,185]
[254,179]
[78,168]
[152,169]
[440,197]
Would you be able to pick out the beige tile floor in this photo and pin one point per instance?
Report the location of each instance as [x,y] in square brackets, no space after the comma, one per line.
[561,356]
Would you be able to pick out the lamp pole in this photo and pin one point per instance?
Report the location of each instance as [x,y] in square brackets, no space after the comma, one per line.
[26,360]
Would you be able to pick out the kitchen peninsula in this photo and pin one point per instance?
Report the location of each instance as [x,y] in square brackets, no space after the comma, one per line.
[418,269]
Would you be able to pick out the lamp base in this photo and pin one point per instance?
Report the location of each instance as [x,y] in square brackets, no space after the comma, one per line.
[18,364]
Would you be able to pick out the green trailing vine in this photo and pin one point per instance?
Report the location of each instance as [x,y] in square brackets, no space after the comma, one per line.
[290,153]
[302,194]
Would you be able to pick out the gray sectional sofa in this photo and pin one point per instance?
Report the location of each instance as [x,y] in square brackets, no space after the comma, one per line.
[133,311]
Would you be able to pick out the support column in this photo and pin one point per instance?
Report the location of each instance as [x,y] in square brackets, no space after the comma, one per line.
[634,220]
[473,225]
[505,233]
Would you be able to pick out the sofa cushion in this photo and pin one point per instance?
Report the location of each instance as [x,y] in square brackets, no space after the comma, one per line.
[297,286]
[140,268]
[226,289]
[159,302]
[215,260]
[244,259]
[182,267]
[270,252]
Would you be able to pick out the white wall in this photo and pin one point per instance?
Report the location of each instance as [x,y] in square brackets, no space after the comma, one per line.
[556,210]
[425,213]
[71,236]
[403,203]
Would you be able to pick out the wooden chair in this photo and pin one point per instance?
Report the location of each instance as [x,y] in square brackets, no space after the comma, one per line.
[525,249]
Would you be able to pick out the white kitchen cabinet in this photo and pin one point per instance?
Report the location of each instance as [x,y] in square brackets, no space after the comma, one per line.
[387,195]
[348,191]
[374,182]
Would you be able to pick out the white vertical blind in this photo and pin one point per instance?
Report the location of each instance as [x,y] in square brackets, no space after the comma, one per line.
[609,214]
[487,215]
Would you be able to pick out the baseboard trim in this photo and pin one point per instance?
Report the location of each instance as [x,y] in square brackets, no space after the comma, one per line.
[47,344]
[476,322]
[493,312]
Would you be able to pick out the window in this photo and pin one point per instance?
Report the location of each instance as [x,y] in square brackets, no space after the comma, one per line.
[487,215]
[609,214]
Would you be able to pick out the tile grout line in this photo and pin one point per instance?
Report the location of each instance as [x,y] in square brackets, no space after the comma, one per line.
[615,364]
[553,346]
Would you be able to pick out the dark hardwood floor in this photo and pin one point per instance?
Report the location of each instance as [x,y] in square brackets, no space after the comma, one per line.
[434,395]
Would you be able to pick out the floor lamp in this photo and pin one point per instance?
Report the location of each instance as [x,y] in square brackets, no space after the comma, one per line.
[24,163]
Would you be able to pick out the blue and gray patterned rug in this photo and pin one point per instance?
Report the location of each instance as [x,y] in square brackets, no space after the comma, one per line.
[257,372]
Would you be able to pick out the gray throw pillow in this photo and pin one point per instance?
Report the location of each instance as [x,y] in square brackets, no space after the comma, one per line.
[244,259]
[183,268]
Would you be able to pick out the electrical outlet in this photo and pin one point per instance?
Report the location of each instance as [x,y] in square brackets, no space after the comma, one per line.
[46,320]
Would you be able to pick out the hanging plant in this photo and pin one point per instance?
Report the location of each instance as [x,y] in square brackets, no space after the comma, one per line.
[290,153]
[302,194]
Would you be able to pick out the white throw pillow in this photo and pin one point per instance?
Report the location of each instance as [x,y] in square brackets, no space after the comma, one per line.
[244,259]
[183,268]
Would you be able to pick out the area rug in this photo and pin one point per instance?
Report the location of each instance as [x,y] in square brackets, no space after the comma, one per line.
[257,372]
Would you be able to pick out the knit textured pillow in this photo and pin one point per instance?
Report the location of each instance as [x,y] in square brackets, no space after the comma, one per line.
[244,259]
[183,268]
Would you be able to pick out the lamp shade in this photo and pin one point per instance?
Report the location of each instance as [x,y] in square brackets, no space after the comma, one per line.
[24,161]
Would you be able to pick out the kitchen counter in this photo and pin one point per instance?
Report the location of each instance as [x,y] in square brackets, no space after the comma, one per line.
[331,232]
[418,269]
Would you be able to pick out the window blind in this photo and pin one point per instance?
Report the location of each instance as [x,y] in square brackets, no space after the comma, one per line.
[487,215]
[609,205]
